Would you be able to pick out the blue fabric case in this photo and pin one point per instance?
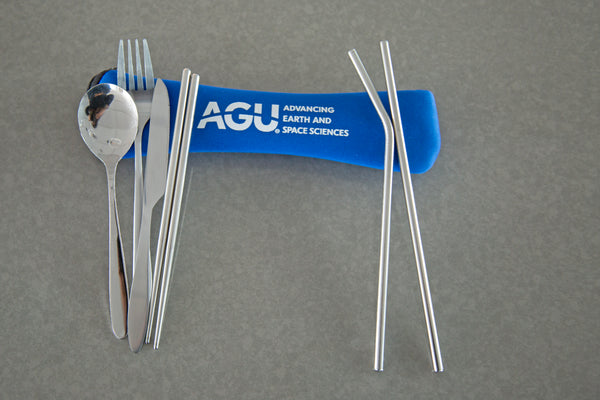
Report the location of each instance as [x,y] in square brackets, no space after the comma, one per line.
[340,127]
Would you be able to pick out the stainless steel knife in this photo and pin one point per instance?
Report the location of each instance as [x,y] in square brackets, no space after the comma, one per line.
[155,175]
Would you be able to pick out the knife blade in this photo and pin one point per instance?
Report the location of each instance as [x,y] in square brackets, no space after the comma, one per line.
[155,175]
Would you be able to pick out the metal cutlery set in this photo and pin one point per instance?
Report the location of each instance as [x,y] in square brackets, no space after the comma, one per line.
[113,117]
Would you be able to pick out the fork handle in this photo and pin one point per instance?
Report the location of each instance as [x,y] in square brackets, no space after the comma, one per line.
[138,191]
[117,277]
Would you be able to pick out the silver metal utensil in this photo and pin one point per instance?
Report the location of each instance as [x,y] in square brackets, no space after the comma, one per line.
[434,345]
[384,252]
[168,198]
[390,129]
[179,176]
[108,121]
[155,175]
[140,85]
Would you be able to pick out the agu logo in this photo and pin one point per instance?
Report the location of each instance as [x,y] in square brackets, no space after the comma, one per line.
[237,118]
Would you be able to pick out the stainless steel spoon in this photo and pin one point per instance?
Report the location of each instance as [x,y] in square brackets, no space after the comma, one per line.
[108,120]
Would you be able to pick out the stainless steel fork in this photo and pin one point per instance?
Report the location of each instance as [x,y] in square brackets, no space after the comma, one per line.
[141,86]
[143,100]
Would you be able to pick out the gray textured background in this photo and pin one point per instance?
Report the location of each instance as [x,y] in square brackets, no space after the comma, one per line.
[274,290]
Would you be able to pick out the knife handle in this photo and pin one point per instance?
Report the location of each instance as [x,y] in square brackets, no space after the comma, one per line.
[139,297]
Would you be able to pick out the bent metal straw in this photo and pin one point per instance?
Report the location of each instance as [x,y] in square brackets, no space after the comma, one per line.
[434,346]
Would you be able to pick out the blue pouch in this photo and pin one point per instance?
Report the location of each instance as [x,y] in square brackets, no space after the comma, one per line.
[341,127]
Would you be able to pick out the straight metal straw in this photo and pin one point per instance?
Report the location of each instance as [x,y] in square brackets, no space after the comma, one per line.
[436,356]
[168,199]
[176,208]
[384,253]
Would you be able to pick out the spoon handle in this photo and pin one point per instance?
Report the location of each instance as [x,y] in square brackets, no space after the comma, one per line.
[117,277]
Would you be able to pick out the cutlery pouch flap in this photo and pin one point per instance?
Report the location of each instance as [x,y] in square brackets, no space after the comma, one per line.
[341,127]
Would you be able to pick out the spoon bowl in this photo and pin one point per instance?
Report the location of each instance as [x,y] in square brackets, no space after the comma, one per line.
[108,121]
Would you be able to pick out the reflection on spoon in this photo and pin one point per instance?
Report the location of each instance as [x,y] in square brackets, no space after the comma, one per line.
[99,98]
[108,121]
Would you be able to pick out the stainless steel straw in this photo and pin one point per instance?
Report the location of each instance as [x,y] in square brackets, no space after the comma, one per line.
[384,253]
[168,199]
[434,345]
[176,207]
[411,208]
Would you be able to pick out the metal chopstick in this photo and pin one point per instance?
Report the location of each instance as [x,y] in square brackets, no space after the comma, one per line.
[436,356]
[168,199]
[384,254]
[176,206]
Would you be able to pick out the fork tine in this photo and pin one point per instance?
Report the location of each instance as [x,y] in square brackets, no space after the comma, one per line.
[138,67]
[130,65]
[121,67]
[148,66]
